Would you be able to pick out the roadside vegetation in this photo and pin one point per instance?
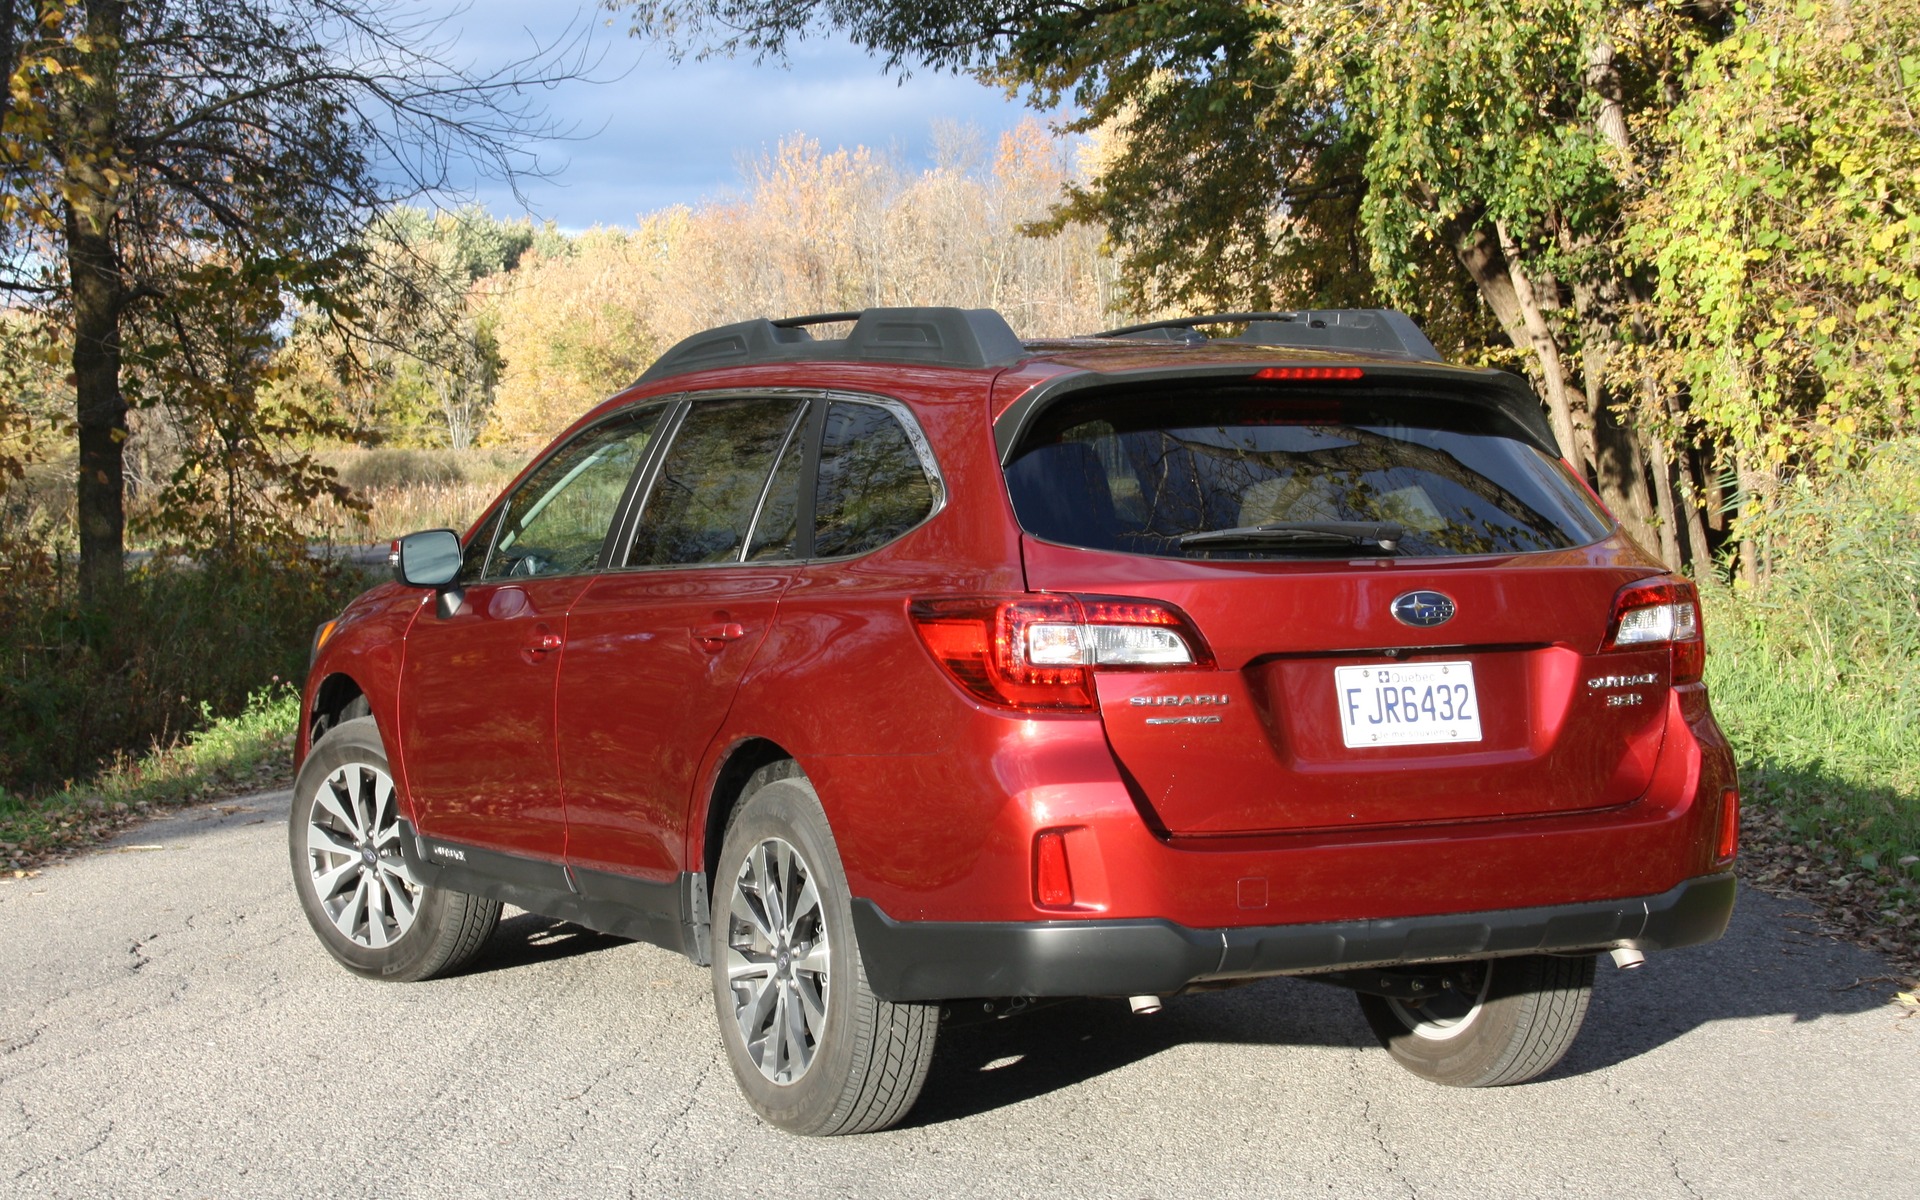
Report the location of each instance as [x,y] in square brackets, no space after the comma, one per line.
[1815,676]
[250,749]
[1695,227]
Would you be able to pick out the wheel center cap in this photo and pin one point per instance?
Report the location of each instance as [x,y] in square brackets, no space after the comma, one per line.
[368,856]
[786,961]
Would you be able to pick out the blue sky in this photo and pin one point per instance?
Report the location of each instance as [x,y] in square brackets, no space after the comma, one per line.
[666,134]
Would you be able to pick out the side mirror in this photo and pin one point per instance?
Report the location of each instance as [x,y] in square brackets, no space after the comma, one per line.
[430,559]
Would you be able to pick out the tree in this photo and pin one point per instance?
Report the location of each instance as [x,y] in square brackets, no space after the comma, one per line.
[1291,151]
[147,148]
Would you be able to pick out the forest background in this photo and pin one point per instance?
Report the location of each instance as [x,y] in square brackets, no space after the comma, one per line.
[1694,226]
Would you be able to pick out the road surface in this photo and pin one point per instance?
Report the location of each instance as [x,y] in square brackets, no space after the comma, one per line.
[170,1027]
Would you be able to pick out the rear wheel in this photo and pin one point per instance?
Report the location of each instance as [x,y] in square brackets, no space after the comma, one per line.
[343,835]
[814,1050]
[1505,1020]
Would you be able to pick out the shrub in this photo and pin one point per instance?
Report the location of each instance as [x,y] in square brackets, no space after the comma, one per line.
[177,647]
[1816,673]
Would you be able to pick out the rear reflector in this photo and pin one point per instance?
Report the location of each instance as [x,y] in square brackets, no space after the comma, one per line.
[1660,611]
[1052,882]
[1036,652]
[1729,827]
[1309,373]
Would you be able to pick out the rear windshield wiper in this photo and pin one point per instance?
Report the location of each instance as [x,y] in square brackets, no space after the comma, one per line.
[1380,535]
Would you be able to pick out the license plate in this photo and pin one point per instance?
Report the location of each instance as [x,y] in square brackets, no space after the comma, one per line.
[1407,705]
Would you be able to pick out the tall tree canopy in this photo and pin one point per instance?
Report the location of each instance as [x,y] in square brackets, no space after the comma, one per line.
[175,174]
[1552,159]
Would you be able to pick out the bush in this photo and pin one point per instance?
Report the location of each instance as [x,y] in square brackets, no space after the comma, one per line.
[179,646]
[1815,675]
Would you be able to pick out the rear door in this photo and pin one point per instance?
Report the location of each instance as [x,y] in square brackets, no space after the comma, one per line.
[656,647]
[1405,631]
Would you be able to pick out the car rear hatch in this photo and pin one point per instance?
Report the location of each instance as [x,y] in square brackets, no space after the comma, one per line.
[1400,594]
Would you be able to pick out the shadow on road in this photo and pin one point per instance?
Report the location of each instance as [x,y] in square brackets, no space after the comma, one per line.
[526,938]
[1770,965]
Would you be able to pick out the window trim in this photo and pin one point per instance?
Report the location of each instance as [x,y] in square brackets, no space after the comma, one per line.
[799,427]
[812,428]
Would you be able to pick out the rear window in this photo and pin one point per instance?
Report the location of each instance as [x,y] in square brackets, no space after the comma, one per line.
[1142,472]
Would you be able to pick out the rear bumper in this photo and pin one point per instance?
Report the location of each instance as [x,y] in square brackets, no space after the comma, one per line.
[941,960]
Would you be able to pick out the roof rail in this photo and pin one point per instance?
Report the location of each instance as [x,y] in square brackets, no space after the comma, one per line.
[1373,330]
[935,337]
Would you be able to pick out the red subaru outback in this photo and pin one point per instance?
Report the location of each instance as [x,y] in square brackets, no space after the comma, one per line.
[924,664]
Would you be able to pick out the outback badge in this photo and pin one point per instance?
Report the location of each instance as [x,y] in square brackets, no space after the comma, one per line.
[1424,609]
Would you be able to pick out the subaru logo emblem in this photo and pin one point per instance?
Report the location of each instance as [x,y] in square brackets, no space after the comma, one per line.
[1423,609]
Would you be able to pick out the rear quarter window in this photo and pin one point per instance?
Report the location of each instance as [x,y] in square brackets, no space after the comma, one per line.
[1138,472]
[873,484]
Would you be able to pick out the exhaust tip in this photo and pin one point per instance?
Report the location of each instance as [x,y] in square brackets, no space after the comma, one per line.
[1142,1005]
[1627,959]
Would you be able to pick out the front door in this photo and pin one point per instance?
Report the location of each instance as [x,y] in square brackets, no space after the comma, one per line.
[476,688]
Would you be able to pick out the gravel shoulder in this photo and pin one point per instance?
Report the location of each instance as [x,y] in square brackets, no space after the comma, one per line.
[169,1026]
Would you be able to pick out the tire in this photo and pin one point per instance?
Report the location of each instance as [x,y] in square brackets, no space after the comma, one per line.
[854,1063]
[1518,1020]
[343,838]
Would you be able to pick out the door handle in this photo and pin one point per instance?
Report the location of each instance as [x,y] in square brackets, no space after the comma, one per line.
[715,637]
[545,641]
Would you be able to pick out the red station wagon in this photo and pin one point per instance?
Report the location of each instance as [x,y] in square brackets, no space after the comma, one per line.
[926,665]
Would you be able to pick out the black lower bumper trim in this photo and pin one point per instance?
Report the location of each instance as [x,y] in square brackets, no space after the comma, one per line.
[942,960]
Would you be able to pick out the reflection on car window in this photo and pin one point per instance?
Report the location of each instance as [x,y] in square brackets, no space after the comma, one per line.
[556,521]
[710,482]
[1138,473]
[872,487]
[778,526]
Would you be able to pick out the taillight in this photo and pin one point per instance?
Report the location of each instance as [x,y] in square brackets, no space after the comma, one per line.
[1037,652]
[1656,612]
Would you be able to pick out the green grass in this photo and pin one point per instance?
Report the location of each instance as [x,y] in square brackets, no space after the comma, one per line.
[250,749]
[1815,677]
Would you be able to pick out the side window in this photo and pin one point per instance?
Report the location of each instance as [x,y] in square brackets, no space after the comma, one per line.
[711,481]
[777,527]
[872,487]
[555,522]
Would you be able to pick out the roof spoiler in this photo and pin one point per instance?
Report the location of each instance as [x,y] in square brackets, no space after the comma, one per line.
[1372,330]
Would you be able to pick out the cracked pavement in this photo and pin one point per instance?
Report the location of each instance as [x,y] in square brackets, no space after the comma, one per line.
[170,1027]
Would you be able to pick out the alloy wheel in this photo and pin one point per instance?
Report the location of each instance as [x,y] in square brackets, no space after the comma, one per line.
[778,960]
[353,857]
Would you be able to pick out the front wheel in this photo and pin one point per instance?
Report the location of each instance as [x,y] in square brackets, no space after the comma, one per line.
[344,838]
[1504,1020]
[814,1050]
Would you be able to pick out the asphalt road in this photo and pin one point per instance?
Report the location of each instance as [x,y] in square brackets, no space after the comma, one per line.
[169,1026]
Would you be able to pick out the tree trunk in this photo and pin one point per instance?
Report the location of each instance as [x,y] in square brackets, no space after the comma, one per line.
[1481,254]
[100,410]
[99,292]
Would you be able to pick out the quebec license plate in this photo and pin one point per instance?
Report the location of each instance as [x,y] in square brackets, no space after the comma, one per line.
[1407,705]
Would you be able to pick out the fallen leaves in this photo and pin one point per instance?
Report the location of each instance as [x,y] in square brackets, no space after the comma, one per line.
[1862,902]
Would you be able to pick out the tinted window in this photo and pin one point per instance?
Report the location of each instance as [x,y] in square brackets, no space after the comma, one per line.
[557,520]
[711,482]
[1137,473]
[872,486]
[778,526]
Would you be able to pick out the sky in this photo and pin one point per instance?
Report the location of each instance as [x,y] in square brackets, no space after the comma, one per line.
[659,133]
